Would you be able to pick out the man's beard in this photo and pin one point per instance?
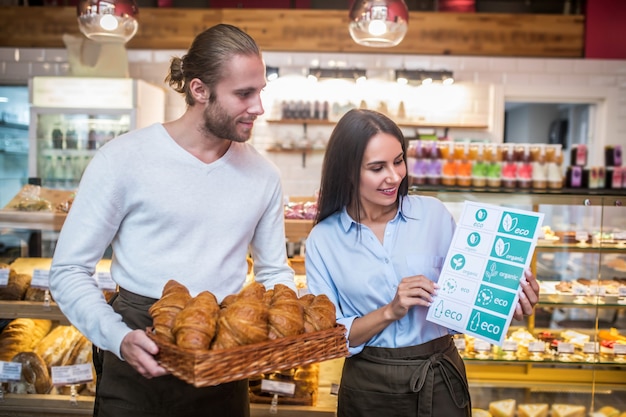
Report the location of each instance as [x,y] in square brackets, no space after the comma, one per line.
[219,124]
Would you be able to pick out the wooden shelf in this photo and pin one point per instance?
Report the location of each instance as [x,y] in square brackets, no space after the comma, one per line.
[401,124]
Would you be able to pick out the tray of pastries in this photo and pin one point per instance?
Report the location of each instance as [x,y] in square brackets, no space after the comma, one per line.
[253,332]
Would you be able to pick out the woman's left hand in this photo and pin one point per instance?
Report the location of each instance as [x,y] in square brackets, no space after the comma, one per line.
[528,296]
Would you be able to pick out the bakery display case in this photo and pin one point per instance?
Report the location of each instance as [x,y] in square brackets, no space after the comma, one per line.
[569,357]
[73,117]
[566,359]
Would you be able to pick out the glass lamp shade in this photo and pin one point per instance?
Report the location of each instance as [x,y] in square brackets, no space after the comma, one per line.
[378,23]
[107,21]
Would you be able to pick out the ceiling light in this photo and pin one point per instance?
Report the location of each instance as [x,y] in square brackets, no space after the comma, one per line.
[424,77]
[107,21]
[271,73]
[344,73]
[378,23]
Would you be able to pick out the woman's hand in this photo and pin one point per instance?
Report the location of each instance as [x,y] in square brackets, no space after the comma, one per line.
[412,291]
[528,296]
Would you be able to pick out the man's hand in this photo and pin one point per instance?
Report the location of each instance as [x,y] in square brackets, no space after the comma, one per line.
[138,350]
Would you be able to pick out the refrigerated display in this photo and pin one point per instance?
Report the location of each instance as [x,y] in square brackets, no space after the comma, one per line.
[72,117]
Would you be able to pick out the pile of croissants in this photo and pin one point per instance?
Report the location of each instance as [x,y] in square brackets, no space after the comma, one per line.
[253,315]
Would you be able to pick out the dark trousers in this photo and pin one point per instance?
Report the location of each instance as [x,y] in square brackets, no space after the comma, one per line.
[122,392]
[418,381]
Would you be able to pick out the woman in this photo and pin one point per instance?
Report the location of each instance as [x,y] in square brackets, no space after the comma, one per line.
[377,253]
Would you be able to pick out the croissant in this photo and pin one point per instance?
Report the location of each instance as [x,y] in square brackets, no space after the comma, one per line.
[195,325]
[286,314]
[242,322]
[320,314]
[173,299]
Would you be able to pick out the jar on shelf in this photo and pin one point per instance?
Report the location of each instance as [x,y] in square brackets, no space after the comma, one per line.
[509,167]
[554,162]
[479,166]
[433,163]
[539,168]
[494,166]
[524,167]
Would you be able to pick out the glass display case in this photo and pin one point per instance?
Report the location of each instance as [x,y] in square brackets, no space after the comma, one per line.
[72,117]
[569,357]
[572,352]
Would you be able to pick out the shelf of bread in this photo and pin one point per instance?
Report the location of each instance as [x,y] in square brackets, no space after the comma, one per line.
[45,404]
[35,207]
[19,299]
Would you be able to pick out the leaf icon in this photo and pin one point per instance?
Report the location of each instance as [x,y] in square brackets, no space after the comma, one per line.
[501,247]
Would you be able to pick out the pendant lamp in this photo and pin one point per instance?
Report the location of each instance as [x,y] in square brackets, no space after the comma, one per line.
[106,21]
[378,23]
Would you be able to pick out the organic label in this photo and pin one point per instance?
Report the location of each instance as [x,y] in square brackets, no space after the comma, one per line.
[502,274]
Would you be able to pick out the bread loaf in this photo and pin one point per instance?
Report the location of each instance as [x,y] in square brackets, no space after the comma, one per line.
[173,299]
[37,294]
[16,286]
[196,323]
[285,313]
[35,378]
[21,335]
[56,347]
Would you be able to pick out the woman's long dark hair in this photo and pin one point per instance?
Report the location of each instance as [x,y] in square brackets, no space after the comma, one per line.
[341,170]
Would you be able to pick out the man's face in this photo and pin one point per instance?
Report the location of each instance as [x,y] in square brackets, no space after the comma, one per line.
[236,100]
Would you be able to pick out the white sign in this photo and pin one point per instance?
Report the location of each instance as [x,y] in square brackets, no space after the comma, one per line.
[278,387]
[479,282]
[41,278]
[10,371]
[73,374]
[4,276]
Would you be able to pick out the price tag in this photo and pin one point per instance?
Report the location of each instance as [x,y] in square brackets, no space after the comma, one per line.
[278,387]
[619,349]
[536,346]
[590,347]
[4,277]
[565,347]
[105,282]
[622,291]
[459,343]
[73,374]
[509,345]
[482,346]
[10,371]
[41,278]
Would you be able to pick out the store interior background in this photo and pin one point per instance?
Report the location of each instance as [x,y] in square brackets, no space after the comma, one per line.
[488,90]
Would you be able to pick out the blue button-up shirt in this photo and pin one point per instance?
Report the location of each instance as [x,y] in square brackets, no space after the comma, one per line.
[359,274]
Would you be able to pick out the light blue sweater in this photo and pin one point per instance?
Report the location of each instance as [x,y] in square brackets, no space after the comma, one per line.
[167,215]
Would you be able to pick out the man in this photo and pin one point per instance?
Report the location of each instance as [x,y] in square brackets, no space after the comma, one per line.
[183,200]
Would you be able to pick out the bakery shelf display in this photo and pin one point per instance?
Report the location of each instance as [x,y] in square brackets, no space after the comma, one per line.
[569,358]
[561,361]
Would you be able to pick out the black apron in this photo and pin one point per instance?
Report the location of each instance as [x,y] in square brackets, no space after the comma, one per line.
[123,392]
[418,381]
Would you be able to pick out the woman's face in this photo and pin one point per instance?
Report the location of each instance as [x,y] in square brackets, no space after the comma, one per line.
[382,170]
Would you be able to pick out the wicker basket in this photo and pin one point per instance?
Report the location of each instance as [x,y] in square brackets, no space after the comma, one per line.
[213,367]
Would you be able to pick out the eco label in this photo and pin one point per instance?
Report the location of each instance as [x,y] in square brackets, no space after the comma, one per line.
[479,281]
